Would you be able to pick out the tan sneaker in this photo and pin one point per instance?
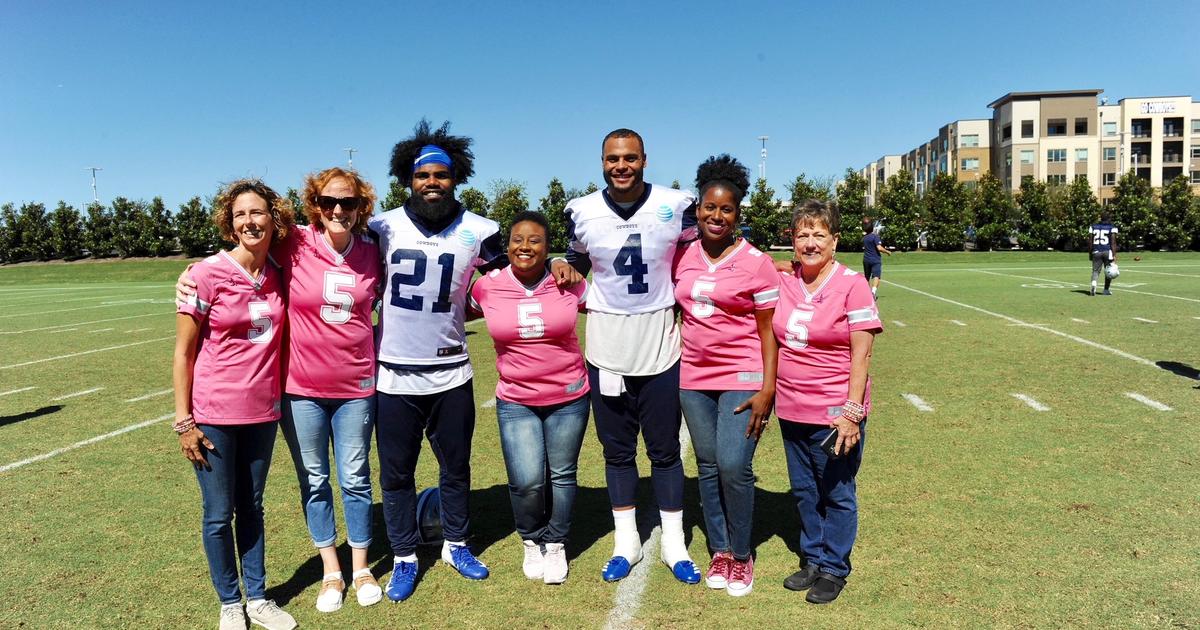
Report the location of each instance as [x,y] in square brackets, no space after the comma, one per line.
[366,588]
[332,590]
[233,617]
[266,613]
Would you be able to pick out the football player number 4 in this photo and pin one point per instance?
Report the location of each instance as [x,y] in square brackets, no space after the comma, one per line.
[261,327]
[529,325]
[338,301]
[703,308]
[416,278]
[629,263]
[797,332]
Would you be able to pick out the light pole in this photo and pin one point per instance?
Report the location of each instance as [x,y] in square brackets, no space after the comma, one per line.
[351,151]
[762,165]
[93,169]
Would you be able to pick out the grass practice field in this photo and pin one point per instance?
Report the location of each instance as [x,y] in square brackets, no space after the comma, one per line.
[1032,461]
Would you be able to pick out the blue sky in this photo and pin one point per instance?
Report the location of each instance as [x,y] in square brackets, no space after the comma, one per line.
[173,98]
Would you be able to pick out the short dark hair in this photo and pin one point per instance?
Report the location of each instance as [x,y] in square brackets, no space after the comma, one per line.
[405,153]
[723,170]
[623,133]
[531,216]
[814,211]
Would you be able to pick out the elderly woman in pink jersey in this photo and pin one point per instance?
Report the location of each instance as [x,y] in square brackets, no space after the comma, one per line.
[227,388]
[726,290]
[826,322]
[331,271]
[541,395]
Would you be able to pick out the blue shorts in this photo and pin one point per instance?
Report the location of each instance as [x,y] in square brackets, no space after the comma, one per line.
[873,269]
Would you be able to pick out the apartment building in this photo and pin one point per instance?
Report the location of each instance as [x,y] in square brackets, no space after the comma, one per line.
[1058,136]
[877,173]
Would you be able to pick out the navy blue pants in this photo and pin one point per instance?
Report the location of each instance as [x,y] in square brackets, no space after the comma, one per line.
[650,405]
[448,419]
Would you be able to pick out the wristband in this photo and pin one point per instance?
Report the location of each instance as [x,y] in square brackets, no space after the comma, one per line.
[853,411]
[184,425]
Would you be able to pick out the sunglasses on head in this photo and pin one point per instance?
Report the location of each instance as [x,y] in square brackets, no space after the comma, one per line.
[349,204]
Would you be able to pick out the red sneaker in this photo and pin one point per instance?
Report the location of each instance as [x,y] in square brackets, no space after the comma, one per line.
[741,578]
[718,570]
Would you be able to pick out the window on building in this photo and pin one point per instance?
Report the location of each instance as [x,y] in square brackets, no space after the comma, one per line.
[1140,127]
[1170,173]
[1026,128]
[1056,127]
[1056,155]
[1056,180]
[1081,126]
[1196,177]
[969,185]
[1006,134]
[1027,156]
[1196,153]
[1173,127]
[1110,128]
[1080,155]
[1196,126]
[971,140]
[1110,179]
[970,164]
[1081,176]
[1110,154]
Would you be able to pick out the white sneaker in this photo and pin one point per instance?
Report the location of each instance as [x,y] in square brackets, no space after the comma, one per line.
[267,614]
[555,564]
[233,617]
[332,590]
[533,564]
[366,588]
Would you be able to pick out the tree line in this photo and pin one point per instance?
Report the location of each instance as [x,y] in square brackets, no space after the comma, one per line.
[1036,217]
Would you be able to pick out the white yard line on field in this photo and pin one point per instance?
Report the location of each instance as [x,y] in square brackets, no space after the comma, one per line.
[934,268]
[150,395]
[1143,319]
[77,308]
[957,323]
[94,321]
[1029,400]
[1149,402]
[629,592]
[100,330]
[137,330]
[76,394]
[917,402]
[1080,321]
[59,451]
[1122,290]
[59,301]
[488,404]
[17,391]
[79,354]
[1075,338]
[899,323]
[1157,273]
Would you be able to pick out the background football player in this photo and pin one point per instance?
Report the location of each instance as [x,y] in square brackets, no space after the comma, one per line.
[1104,250]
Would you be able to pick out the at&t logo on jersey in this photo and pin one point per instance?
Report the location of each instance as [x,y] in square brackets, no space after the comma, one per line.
[467,238]
[665,213]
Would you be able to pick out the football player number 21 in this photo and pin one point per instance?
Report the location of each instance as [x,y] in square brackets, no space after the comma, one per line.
[797,332]
[629,263]
[416,278]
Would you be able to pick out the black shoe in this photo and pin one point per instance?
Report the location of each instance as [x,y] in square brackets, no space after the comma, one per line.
[801,580]
[825,589]
[1093,293]
[1107,292]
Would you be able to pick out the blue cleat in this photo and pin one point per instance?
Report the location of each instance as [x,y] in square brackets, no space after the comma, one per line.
[465,562]
[685,571]
[617,568]
[403,581]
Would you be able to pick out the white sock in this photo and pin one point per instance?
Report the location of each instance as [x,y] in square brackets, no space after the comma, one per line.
[447,546]
[873,289]
[253,603]
[673,549]
[626,542]
[412,557]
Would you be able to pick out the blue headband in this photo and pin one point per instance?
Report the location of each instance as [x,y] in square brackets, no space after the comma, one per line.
[431,154]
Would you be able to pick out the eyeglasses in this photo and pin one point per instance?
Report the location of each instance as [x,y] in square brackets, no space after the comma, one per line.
[348,204]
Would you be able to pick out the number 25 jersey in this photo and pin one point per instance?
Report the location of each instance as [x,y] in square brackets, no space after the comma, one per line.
[426,279]
[631,250]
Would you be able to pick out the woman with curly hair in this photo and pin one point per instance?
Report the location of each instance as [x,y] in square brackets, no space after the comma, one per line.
[227,388]
[726,290]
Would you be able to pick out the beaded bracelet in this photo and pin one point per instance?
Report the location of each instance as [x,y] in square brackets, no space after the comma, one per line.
[853,411]
[184,425]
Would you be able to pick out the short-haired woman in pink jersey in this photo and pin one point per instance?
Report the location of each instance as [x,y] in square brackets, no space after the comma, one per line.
[227,393]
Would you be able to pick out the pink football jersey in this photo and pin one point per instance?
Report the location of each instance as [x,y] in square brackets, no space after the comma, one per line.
[331,347]
[537,350]
[721,348]
[236,376]
[813,330]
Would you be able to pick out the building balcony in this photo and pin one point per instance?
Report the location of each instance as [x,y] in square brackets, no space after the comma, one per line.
[1173,158]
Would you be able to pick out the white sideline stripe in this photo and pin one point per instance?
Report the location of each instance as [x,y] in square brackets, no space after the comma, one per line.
[79,354]
[957,323]
[66,330]
[489,403]
[78,299]
[899,323]
[94,321]
[1080,321]
[1143,319]
[150,395]
[137,330]
[17,391]
[1011,275]
[1086,342]
[1159,273]
[77,308]
[916,401]
[100,330]
[1149,402]
[59,451]
[82,393]
[629,591]
[1025,325]
[1029,400]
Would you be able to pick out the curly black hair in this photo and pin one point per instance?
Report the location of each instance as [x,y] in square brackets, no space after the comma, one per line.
[457,147]
[724,170]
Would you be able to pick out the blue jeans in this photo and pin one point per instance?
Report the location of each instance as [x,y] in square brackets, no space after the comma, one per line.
[825,495]
[231,491]
[724,457]
[309,424]
[541,453]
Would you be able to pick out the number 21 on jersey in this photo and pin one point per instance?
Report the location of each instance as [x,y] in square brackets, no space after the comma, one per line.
[797,332]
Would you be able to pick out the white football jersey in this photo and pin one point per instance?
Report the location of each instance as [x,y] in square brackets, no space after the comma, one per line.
[425,286]
[630,250]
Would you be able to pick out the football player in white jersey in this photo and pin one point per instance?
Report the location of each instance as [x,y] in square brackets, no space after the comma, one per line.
[627,234]
[431,248]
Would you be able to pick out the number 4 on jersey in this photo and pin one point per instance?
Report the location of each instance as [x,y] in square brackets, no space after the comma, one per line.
[629,263]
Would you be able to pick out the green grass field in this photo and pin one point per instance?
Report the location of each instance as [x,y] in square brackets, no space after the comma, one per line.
[980,511]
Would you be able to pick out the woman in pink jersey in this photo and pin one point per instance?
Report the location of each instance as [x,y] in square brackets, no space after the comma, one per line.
[726,290]
[227,389]
[541,395]
[826,322]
